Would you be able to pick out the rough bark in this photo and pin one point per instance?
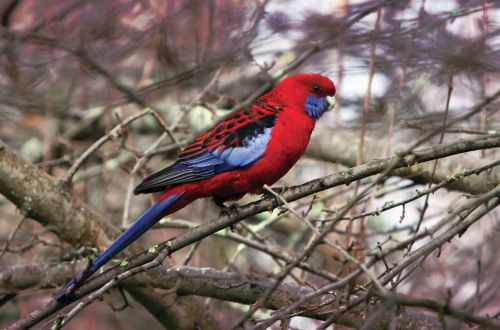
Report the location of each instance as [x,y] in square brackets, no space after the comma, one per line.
[338,148]
[51,203]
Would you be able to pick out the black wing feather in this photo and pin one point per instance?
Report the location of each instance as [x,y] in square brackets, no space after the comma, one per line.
[197,163]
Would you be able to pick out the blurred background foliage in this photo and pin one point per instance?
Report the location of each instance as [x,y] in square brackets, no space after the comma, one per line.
[71,70]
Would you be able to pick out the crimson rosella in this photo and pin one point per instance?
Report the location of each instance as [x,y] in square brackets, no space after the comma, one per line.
[240,154]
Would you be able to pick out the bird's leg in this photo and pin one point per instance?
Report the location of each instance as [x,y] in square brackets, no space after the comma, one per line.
[224,209]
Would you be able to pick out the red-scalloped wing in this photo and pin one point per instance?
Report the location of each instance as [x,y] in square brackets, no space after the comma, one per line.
[232,130]
[229,136]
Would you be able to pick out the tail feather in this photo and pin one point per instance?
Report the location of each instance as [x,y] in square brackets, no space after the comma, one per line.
[139,227]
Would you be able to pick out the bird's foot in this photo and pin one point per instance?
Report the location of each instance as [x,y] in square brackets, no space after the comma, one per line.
[226,210]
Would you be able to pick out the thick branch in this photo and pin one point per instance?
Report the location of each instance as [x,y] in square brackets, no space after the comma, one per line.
[44,199]
[333,148]
[314,186]
[21,277]
[441,308]
[290,194]
[208,282]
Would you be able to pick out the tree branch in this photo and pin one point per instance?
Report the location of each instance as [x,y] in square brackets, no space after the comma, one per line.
[332,148]
[268,204]
[207,282]
[42,198]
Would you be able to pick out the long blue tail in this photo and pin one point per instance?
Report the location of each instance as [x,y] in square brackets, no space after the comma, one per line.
[139,227]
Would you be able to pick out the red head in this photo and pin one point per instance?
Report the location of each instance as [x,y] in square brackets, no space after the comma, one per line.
[311,92]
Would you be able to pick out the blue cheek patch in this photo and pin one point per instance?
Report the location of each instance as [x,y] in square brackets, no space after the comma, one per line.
[316,106]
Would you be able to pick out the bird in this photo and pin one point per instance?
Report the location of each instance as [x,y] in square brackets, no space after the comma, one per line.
[247,149]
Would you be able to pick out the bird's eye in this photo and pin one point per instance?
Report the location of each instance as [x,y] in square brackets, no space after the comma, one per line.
[316,89]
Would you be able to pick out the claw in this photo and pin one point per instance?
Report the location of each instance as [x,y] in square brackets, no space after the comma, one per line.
[227,210]
[224,209]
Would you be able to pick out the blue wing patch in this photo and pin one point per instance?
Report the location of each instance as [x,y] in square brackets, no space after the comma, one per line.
[250,148]
[253,148]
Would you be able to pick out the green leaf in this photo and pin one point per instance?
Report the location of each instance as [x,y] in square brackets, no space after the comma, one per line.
[153,249]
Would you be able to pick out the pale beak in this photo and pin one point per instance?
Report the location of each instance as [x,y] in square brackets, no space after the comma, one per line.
[331,102]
